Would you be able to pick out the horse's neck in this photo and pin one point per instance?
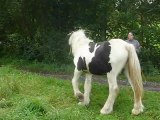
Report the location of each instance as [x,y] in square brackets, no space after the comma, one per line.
[77,46]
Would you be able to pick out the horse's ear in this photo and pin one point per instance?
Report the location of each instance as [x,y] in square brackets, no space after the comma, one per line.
[69,34]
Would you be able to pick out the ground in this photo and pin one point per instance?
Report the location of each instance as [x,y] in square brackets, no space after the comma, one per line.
[148,85]
[27,95]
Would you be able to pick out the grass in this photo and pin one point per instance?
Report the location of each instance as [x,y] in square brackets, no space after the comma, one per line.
[29,96]
[54,68]
[35,66]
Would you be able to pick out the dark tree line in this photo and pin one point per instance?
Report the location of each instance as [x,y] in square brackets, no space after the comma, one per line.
[37,29]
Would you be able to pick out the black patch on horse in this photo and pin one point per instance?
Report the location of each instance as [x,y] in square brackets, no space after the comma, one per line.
[81,65]
[100,63]
[92,46]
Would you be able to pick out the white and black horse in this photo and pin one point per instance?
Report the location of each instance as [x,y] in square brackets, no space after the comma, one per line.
[108,57]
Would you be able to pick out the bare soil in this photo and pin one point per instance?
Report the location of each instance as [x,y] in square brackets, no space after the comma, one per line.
[149,86]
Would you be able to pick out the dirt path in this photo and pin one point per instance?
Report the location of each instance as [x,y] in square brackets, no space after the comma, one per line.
[150,86]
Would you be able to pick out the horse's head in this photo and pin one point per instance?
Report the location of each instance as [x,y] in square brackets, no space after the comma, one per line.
[77,36]
[77,39]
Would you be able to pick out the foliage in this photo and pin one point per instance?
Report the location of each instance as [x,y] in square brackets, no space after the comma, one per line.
[39,31]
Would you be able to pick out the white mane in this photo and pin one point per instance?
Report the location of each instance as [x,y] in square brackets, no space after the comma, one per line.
[77,39]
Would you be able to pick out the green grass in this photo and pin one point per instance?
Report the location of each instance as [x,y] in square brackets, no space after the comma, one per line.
[35,66]
[29,96]
[54,68]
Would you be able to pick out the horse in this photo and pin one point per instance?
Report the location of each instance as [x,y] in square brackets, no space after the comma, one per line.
[105,58]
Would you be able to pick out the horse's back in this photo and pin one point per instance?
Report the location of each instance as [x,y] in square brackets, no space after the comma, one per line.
[118,50]
[119,54]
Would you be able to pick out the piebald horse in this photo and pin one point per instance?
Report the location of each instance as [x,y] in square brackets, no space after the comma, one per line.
[105,58]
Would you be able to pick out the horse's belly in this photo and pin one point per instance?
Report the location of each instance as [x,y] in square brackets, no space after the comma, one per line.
[99,68]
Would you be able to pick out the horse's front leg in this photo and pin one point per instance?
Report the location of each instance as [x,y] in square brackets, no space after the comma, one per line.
[113,92]
[75,84]
[87,90]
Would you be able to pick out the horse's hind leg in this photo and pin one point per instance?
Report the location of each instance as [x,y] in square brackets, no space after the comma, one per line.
[75,84]
[113,91]
[138,106]
[87,90]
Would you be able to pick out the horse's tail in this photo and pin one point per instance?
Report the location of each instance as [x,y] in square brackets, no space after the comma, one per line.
[134,72]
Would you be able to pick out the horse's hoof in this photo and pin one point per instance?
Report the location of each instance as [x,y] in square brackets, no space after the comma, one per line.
[83,104]
[137,111]
[106,111]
